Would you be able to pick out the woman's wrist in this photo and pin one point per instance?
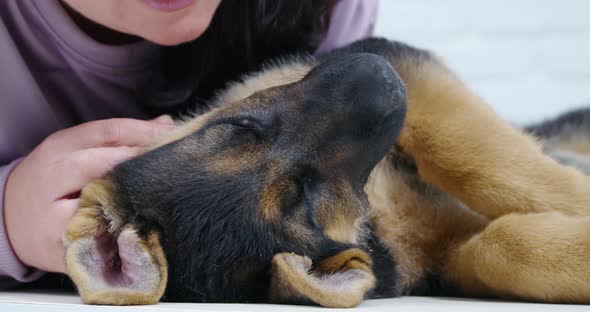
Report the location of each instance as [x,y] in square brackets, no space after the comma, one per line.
[10,265]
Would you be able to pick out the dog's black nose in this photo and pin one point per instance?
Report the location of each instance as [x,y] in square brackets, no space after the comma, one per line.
[361,89]
[353,108]
[370,88]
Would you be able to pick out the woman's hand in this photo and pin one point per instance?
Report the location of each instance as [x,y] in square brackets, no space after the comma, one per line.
[42,191]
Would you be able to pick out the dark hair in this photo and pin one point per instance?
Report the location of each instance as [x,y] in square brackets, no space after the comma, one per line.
[241,37]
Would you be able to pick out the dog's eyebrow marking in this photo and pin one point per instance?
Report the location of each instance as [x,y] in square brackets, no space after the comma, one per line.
[184,130]
[264,80]
[271,200]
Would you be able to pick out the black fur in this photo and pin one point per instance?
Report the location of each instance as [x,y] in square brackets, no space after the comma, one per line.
[571,123]
[390,50]
[433,285]
[384,267]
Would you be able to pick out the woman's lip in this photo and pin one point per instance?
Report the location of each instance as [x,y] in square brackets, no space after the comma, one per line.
[168,5]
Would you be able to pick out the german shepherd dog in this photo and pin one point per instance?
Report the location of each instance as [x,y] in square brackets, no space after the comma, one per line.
[370,171]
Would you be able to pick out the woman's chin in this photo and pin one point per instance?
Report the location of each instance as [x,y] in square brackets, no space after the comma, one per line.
[176,34]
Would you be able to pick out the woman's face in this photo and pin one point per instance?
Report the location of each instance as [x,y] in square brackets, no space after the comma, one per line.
[166,22]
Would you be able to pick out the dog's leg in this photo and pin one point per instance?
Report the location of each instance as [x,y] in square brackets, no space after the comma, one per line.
[541,257]
[537,244]
[461,146]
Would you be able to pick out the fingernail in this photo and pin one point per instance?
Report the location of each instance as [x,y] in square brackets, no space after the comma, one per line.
[170,127]
[132,153]
[126,153]
[164,130]
[164,119]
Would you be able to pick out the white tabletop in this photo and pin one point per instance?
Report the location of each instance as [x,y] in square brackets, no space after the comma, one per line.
[66,302]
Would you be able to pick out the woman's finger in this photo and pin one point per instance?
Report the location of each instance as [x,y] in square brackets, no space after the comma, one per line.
[109,133]
[81,167]
[164,119]
[62,212]
[66,209]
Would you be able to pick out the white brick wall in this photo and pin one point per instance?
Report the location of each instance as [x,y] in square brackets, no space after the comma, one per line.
[530,59]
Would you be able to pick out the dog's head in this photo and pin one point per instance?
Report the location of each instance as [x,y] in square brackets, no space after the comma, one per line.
[258,200]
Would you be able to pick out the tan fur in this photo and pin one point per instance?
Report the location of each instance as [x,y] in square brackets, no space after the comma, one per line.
[345,231]
[270,202]
[293,279]
[234,161]
[576,143]
[98,215]
[418,230]
[347,260]
[541,256]
[184,129]
[512,223]
[342,218]
[95,205]
[462,147]
[270,78]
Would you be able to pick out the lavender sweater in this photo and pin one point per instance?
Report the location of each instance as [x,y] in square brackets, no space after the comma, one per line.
[53,77]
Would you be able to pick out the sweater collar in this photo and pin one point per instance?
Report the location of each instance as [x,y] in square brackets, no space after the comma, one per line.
[53,17]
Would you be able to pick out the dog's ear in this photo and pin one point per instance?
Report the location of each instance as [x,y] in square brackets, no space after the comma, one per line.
[339,281]
[108,260]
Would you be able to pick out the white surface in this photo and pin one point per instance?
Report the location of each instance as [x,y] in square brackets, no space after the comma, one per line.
[17,301]
[530,59]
